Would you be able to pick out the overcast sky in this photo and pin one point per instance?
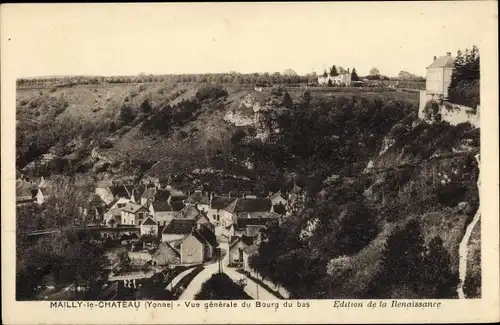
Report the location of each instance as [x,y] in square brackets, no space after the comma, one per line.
[199,38]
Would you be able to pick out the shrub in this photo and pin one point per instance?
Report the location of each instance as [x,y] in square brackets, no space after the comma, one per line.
[221,287]
[431,111]
[277,91]
[210,92]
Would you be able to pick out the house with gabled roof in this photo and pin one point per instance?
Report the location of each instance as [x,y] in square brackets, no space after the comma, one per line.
[149,227]
[217,204]
[133,214]
[236,246]
[177,230]
[252,207]
[200,200]
[190,212]
[113,215]
[163,212]
[439,77]
[165,255]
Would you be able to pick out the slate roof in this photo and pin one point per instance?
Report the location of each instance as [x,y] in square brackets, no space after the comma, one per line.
[115,212]
[249,205]
[277,195]
[177,205]
[190,212]
[164,246]
[208,235]
[149,222]
[132,207]
[244,222]
[221,202]
[198,198]
[162,206]
[161,195]
[247,240]
[445,61]
[179,226]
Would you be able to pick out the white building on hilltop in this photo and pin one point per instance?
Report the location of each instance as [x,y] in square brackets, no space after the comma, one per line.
[439,77]
[343,78]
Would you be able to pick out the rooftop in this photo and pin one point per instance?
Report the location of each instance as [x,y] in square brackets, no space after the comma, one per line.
[445,61]
[179,226]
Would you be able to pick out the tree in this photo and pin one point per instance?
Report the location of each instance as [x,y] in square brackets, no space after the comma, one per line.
[374,72]
[431,111]
[437,279]
[464,85]
[127,115]
[354,75]
[307,97]
[333,71]
[287,100]
[280,208]
[401,262]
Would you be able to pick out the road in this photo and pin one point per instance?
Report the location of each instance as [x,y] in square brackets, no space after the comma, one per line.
[252,288]
[179,277]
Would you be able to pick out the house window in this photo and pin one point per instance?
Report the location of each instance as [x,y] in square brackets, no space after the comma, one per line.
[131,222]
[141,215]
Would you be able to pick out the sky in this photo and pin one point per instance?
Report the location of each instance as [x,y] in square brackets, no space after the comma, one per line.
[127,39]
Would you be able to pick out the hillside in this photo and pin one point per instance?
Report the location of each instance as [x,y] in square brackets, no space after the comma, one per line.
[383,190]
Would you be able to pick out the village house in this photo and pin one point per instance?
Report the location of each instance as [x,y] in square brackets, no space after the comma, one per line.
[192,249]
[439,77]
[196,248]
[200,200]
[163,212]
[149,227]
[133,214]
[189,212]
[252,226]
[217,204]
[113,216]
[177,229]
[343,78]
[277,200]
[236,247]
[165,255]
[202,220]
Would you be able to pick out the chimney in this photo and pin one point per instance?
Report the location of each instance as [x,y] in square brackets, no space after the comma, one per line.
[434,58]
[448,53]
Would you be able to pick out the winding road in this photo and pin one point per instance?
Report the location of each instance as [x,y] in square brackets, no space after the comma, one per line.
[252,288]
